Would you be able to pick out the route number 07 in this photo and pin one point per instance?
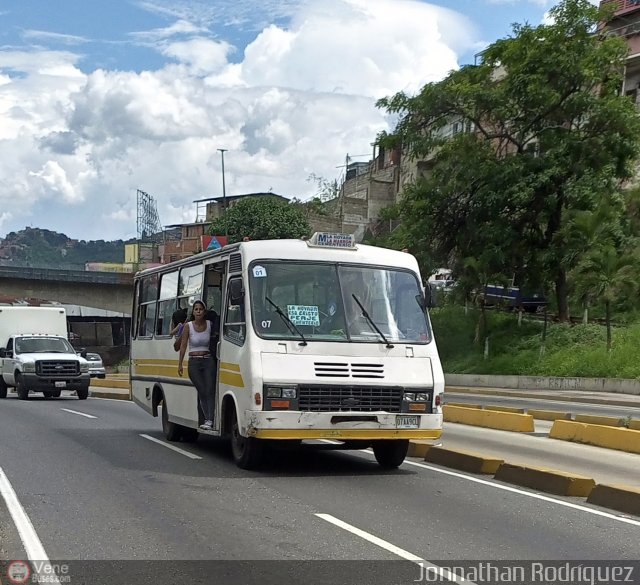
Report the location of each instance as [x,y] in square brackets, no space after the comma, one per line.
[266,324]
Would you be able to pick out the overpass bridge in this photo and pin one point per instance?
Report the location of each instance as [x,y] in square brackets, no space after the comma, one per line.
[103,290]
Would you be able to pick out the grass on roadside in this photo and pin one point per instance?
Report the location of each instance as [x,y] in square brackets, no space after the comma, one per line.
[570,350]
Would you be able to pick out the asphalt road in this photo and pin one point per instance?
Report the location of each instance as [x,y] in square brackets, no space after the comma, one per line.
[94,489]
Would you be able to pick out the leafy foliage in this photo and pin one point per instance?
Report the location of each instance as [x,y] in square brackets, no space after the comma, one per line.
[521,146]
[262,218]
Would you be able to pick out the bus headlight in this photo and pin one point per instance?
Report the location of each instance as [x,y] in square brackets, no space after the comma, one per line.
[281,391]
[409,396]
[422,397]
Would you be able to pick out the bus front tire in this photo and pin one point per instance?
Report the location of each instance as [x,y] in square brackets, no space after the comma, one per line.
[390,454]
[170,430]
[247,451]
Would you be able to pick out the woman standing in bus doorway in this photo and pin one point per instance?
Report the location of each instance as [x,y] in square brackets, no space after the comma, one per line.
[196,336]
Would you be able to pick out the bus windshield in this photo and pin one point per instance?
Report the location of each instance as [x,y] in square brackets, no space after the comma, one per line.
[324,302]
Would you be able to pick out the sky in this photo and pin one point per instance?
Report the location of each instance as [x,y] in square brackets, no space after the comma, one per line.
[101,98]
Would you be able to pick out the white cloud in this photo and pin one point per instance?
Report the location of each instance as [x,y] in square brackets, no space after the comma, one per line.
[299,98]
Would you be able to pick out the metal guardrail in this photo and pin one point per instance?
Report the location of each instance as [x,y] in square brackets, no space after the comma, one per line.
[58,275]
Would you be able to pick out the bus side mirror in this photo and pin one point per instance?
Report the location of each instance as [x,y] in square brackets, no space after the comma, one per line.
[236,291]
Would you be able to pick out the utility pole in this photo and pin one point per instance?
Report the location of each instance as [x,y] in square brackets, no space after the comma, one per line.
[224,190]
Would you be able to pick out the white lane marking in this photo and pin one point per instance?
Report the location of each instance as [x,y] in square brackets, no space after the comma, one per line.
[392,548]
[521,492]
[28,535]
[80,413]
[176,449]
[126,401]
[330,441]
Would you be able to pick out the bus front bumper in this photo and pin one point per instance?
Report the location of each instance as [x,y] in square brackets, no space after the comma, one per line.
[287,425]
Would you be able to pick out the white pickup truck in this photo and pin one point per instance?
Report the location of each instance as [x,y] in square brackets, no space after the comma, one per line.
[35,355]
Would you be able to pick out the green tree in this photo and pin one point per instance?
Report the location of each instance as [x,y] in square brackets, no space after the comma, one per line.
[535,132]
[261,218]
[607,274]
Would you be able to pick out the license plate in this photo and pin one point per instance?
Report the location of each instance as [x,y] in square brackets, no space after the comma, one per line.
[61,384]
[407,422]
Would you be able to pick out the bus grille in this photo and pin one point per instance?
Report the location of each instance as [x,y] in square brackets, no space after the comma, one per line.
[57,369]
[319,398]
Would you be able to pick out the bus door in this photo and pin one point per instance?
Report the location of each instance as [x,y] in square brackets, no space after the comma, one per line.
[213,295]
[231,348]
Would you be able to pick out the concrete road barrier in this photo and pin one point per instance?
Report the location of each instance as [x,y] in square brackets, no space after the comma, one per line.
[419,448]
[622,439]
[548,414]
[634,425]
[110,383]
[463,460]
[592,419]
[505,421]
[622,498]
[547,480]
[505,409]
[463,405]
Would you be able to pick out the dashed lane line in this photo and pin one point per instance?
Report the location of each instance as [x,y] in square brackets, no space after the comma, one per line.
[78,413]
[176,449]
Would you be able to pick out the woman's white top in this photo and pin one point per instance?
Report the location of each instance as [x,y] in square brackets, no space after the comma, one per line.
[199,340]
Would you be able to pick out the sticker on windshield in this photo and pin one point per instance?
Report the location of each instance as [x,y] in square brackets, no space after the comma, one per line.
[304,315]
[332,309]
[259,272]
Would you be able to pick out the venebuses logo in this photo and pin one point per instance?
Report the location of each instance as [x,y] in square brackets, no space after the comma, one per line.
[18,572]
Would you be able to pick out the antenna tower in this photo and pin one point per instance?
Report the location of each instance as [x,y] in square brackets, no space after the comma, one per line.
[148,220]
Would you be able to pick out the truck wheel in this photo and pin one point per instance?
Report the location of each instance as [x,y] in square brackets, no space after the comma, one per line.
[171,430]
[3,388]
[23,393]
[247,451]
[390,454]
[83,393]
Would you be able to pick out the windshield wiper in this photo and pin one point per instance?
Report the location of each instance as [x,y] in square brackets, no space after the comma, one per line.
[370,320]
[288,322]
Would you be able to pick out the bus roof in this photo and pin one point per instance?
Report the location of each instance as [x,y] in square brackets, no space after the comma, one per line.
[299,250]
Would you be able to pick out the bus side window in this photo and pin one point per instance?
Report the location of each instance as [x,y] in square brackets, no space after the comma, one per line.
[234,321]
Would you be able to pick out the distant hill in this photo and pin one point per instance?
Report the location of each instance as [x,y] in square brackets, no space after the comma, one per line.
[41,247]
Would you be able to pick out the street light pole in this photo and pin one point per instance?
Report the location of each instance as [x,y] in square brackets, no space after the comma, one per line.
[224,190]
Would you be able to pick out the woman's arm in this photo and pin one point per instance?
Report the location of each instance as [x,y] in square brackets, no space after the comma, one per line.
[184,342]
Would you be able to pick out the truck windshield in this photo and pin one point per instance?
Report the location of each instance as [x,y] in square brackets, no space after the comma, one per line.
[319,299]
[43,345]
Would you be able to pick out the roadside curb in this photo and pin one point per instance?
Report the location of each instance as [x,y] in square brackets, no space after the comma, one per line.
[618,438]
[544,395]
[505,421]
[110,383]
[105,394]
[617,497]
[551,481]
[621,498]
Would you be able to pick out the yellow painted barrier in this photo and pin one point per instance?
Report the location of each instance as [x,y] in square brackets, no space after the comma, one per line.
[463,460]
[547,480]
[608,421]
[621,439]
[110,383]
[505,409]
[505,421]
[617,497]
[465,405]
[634,425]
[548,414]
[419,448]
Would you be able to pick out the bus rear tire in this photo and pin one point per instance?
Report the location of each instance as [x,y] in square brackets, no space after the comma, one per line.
[171,431]
[247,451]
[390,454]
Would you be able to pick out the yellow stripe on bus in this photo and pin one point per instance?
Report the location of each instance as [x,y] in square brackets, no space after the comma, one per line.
[227,366]
[365,434]
[231,379]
